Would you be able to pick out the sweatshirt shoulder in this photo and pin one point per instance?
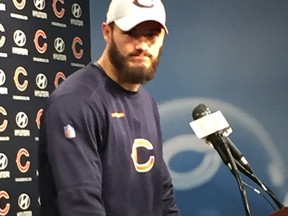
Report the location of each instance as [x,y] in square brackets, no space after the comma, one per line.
[82,83]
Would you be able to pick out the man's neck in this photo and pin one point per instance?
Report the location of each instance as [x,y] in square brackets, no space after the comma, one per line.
[111,72]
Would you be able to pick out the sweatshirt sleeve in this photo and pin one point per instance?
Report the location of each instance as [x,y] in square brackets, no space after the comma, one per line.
[72,147]
[169,202]
[168,197]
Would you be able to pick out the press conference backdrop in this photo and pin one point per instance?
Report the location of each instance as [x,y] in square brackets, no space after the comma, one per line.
[231,56]
[41,43]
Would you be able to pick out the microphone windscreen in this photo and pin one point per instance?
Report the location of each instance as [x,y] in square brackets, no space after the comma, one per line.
[199,111]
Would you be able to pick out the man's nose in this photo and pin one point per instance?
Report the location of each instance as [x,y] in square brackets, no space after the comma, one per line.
[142,43]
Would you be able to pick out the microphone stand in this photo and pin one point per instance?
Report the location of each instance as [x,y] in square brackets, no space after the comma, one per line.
[220,142]
[221,146]
[222,149]
[261,184]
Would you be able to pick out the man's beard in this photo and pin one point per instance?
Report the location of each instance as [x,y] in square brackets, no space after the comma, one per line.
[132,74]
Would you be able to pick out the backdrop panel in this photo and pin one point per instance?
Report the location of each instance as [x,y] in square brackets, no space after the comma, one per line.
[41,43]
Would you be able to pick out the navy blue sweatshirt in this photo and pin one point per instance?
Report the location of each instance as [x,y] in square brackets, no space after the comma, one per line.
[100,151]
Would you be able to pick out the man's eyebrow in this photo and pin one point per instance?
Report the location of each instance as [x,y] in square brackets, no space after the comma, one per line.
[156,29]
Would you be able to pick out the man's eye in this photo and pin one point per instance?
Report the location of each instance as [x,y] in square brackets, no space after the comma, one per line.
[131,33]
[147,34]
[152,34]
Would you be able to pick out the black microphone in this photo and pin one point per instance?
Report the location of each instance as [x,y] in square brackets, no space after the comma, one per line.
[217,134]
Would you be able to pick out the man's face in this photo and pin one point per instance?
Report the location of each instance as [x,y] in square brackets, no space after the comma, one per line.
[136,54]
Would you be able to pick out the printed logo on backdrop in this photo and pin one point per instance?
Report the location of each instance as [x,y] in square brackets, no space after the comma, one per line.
[22,122]
[23,164]
[37,120]
[19,5]
[77,48]
[42,83]
[20,40]
[59,46]
[38,117]
[2,38]
[24,203]
[77,13]
[59,77]
[3,124]
[2,41]
[59,11]
[41,46]
[33,50]
[3,161]
[78,51]
[5,207]
[3,89]
[21,83]
[4,174]
[40,35]
[40,6]
[2,7]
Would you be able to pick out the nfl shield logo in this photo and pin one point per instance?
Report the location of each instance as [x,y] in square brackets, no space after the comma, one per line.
[69,132]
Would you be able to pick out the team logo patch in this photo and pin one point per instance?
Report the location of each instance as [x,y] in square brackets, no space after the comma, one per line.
[69,132]
[118,115]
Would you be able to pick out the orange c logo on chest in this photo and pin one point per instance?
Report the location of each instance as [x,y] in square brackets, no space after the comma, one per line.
[144,167]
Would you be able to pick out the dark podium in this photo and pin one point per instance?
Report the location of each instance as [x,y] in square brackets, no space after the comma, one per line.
[281,212]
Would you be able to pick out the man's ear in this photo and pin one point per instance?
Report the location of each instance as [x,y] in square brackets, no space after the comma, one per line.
[106,32]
